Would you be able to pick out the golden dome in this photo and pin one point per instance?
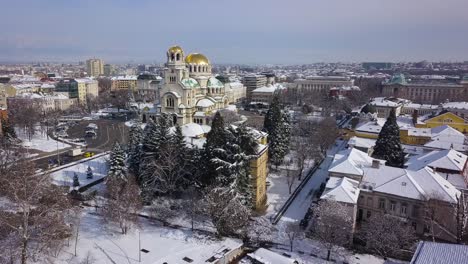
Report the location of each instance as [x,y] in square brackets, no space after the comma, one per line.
[197,58]
[175,49]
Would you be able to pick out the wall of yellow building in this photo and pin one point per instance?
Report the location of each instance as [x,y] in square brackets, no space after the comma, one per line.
[449,119]
[404,137]
[259,172]
[82,93]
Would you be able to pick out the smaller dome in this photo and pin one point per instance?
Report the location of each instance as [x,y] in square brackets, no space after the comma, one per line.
[197,58]
[190,83]
[214,83]
[175,49]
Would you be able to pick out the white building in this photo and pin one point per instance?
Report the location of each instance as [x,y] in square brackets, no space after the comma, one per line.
[189,92]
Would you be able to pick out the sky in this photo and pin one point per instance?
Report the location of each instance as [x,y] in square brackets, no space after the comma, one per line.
[235,31]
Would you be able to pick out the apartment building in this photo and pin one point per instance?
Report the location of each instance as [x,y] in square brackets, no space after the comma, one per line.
[127,82]
[252,82]
[95,67]
[322,83]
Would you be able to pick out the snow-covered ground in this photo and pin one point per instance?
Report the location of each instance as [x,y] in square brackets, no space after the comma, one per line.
[108,245]
[64,177]
[40,141]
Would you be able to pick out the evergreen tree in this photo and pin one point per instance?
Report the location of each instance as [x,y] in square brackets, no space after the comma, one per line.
[8,130]
[388,145]
[76,181]
[117,169]
[279,140]
[216,139]
[89,173]
[233,166]
[273,116]
[135,148]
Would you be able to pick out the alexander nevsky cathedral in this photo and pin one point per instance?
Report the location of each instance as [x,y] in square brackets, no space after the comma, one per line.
[189,92]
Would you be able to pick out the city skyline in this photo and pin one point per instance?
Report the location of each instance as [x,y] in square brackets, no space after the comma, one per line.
[292,32]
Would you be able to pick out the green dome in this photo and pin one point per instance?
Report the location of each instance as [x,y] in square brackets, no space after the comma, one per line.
[190,83]
[398,79]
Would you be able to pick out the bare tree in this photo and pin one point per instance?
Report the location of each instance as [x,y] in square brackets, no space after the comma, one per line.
[32,219]
[123,204]
[169,171]
[332,225]
[387,235]
[291,175]
[460,210]
[229,117]
[25,114]
[292,231]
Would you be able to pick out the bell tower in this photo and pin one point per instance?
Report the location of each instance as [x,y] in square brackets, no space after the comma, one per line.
[175,64]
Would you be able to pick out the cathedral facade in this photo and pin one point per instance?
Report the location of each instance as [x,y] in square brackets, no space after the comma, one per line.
[189,92]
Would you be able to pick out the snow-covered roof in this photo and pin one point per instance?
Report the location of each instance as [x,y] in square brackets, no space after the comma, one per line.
[341,189]
[88,80]
[456,105]
[360,142]
[439,253]
[419,185]
[194,130]
[443,159]
[446,137]
[266,256]
[387,102]
[125,78]
[350,161]
[205,103]
[268,89]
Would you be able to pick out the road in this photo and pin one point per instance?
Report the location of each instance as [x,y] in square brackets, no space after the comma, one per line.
[301,203]
[109,131]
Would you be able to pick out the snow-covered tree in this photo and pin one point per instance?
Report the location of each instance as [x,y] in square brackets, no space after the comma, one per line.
[123,203]
[260,231]
[76,181]
[117,168]
[388,145]
[89,173]
[228,213]
[215,139]
[279,140]
[387,235]
[32,216]
[273,115]
[135,141]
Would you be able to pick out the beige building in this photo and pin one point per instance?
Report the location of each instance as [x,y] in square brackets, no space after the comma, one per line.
[322,83]
[46,103]
[404,193]
[87,87]
[252,82]
[127,82]
[264,95]
[95,67]
[425,91]
[6,90]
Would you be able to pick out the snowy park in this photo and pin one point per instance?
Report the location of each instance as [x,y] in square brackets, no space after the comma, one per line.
[40,141]
[150,242]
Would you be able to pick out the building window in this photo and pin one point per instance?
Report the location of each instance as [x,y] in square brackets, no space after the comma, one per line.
[170,102]
[382,203]
[415,211]
[403,209]
[392,206]
[369,201]
[368,214]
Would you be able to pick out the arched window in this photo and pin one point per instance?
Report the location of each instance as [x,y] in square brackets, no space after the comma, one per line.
[178,57]
[172,56]
[170,102]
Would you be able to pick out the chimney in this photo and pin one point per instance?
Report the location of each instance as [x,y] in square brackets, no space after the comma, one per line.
[415,116]
[375,164]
